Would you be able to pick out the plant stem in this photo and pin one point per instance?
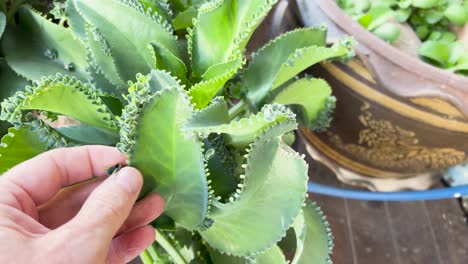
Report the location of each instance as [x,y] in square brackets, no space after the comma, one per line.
[62,20]
[237,109]
[170,248]
[153,252]
[146,257]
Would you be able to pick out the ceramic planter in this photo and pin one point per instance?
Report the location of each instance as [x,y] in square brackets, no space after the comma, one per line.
[399,122]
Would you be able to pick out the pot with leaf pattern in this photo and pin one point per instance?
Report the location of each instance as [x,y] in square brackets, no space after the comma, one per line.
[398,122]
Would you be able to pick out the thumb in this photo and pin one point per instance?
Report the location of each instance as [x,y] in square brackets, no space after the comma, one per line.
[109,205]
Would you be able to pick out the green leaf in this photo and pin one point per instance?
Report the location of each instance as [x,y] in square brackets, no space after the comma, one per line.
[365,20]
[261,73]
[457,50]
[222,29]
[309,96]
[271,165]
[75,20]
[98,80]
[244,131]
[215,78]
[389,32]
[314,241]
[128,30]
[102,59]
[435,52]
[11,82]
[456,14]
[159,79]
[218,257]
[215,114]
[274,255]
[301,59]
[37,47]
[185,19]
[62,95]
[89,135]
[425,3]
[362,5]
[380,15]
[222,165]
[462,65]
[170,160]
[159,6]
[402,15]
[165,60]
[2,23]
[432,16]
[19,145]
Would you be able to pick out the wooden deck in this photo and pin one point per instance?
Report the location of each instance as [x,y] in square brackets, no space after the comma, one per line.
[392,232]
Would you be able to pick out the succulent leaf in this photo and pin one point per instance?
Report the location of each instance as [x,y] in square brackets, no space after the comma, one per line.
[99,81]
[89,135]
[27,140]
[2,23]
[170,160]
[214,79]
[102,59]
[308,95]
[229,24]
[75,20]
[37,47]
[62,95]
[161,7]
[159,79]
[280,61]
[164,59]
[314,241]
[273,255]
[185,19]
[271,165]
[18,145]
[11,82]
[258,77]
[301,59]
[128,29]
[215,114]
[222,165]
[244,131]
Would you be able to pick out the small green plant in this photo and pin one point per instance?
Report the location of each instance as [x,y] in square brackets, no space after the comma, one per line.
[432,21]
[203,125]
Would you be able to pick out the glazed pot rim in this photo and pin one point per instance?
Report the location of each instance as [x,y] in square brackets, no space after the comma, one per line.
[389,52]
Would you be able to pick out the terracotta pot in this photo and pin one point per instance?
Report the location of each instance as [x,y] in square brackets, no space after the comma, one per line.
[399,122]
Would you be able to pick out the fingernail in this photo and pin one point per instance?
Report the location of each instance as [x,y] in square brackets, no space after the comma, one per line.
[129,178]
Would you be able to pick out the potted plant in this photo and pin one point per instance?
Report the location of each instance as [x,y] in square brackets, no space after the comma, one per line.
[399,120]
[167,83]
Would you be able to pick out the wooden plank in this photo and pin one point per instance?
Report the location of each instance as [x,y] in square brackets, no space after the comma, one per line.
[413,233]
[450,230]
[372,232]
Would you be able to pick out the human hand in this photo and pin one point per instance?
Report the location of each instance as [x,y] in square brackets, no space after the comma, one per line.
[90,222]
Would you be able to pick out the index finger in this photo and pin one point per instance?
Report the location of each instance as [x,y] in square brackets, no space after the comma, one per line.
[44,175]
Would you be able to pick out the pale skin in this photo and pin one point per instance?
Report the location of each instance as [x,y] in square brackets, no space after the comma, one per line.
[94,221]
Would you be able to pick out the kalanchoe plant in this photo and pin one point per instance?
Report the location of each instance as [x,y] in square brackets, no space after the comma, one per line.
[204,126]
